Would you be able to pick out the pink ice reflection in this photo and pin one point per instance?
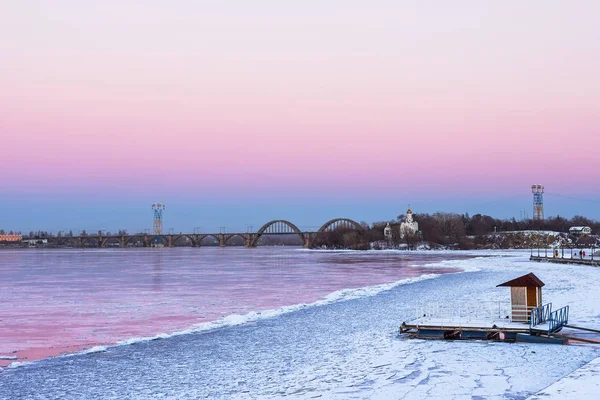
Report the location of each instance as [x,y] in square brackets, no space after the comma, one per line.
[63,301]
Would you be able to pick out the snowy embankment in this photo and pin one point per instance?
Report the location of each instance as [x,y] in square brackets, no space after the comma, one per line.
[440,369]
[575,286]
[381,365]
[583,383]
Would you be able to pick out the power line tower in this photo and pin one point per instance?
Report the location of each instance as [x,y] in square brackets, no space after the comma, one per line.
[538,202]
[158,212]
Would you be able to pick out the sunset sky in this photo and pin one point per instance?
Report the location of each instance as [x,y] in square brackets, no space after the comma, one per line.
[234,113]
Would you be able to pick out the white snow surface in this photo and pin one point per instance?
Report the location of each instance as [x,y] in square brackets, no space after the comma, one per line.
[352,349]
[421,369]
[487,370]
[583,383]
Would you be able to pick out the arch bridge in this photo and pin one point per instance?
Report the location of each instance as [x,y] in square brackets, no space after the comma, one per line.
[250,239]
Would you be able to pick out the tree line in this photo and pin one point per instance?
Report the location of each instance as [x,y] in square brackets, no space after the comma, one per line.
[460,231]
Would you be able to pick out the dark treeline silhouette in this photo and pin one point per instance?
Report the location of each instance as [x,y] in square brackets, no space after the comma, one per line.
[464,231]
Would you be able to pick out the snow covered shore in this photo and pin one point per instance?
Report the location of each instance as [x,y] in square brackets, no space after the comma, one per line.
[348,348]
[583,383]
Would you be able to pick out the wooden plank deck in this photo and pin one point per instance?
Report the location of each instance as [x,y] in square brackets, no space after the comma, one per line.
[565,260]
[467,324]
[465,329]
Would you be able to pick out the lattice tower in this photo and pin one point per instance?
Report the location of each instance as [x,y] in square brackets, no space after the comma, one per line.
[538,202]
[158,209]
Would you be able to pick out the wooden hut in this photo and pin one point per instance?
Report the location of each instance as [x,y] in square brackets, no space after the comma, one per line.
[525,295]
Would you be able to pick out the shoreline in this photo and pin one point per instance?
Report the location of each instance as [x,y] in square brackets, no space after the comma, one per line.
[365,356]
[38,354]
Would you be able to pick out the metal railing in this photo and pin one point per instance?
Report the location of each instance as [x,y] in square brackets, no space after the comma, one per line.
[573,252]
[558,319]
[470,313]
[540,314]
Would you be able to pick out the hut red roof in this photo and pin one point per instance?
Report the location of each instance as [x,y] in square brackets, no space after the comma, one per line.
[524,281]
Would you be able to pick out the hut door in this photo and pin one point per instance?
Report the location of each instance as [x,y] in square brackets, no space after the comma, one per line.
[531,297]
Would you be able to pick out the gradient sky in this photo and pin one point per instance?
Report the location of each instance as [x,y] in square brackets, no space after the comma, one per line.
[237,112]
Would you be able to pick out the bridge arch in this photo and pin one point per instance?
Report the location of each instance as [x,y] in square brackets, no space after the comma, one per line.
[111,239]
[202,237]
[131,239]
[337,223]
[227,237]
[277,226]
[87,239]
[156,239]
[175,238]
[66,240]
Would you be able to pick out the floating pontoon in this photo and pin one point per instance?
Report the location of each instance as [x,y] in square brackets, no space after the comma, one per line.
[525,318]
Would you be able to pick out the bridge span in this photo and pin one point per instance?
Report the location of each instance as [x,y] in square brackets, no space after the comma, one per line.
[251,239]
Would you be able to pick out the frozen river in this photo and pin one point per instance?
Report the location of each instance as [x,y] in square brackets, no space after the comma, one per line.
[58,301]
[331,331]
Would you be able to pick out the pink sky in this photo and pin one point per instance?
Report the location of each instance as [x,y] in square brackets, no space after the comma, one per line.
[314,97]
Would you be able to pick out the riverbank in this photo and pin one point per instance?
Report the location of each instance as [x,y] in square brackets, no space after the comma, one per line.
[70,301]
[581,384]
[345,348]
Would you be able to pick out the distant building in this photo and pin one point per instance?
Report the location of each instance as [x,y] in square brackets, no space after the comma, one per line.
[580,230]
[10,238]
[409,227]
[387,232]
[34,242]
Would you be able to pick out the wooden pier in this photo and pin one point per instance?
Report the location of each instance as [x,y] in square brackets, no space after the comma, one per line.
[541,325]
[566,260]
[523,319]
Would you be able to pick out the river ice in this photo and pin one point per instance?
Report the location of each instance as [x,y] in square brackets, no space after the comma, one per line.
[348,348]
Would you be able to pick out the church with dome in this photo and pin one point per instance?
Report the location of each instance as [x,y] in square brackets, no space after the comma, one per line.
[409,227]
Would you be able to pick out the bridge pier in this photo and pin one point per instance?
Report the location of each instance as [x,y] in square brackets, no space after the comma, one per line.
[123,245]
[146,241]
[170,241]
[307,239]
[221,240]
[250,240]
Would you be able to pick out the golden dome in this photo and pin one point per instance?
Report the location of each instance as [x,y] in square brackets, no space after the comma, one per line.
[409,211]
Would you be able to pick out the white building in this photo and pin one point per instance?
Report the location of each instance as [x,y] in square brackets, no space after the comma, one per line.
[580,230]
[409,227]
[387,232]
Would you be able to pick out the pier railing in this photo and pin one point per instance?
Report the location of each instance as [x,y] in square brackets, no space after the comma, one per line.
[558,319]
[540,314]
[470,313]
[587,255]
